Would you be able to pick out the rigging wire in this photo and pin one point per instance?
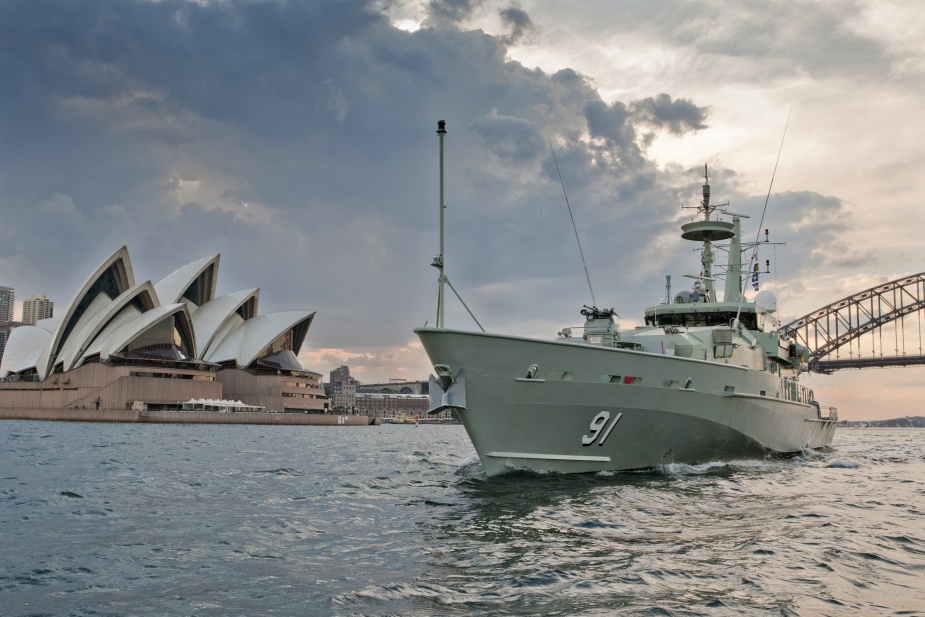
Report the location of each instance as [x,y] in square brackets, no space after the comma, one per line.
[583,263]
[431,307]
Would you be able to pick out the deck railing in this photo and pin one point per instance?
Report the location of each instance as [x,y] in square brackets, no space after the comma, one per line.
[828,413]
[793,391]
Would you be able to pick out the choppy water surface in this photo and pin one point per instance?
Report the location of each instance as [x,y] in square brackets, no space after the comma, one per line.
[109,519]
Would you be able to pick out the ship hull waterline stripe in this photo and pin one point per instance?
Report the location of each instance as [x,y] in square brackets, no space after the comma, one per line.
[550,457]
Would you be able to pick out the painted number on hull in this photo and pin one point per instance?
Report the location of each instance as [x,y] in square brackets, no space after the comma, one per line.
[597,425]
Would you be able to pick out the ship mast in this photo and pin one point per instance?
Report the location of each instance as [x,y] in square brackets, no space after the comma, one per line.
[707,231]
[706,256]
[734,272]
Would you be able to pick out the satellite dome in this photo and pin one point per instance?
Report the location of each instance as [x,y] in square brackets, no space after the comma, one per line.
[765,301]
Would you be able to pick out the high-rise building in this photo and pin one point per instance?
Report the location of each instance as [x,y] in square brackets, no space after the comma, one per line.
[342,388]
[7,302]
[342,373]
[5,328]
[36,307]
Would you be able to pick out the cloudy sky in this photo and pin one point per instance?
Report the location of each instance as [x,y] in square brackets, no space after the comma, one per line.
[298,140]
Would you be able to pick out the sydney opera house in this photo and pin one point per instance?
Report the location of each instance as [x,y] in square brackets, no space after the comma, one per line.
[121,344]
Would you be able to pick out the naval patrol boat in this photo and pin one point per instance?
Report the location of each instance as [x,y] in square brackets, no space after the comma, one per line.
[705,379]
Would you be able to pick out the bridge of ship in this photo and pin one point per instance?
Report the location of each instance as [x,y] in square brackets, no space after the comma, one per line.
[878,327]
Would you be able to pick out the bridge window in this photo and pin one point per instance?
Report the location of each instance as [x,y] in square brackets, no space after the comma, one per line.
[694,319]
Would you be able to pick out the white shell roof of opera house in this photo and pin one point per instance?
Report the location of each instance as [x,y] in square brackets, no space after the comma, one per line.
[110,311]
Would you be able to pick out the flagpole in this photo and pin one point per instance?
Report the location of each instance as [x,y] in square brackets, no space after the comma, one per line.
[441,131]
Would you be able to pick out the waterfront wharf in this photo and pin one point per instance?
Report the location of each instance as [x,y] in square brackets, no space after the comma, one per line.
[186,417]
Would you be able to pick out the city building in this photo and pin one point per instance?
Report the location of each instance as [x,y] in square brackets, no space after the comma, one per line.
[397,397]
[386,406]
[35,308]
[342,389]
[396,386]
[7,304]
[342,373]
[5,329]
[121,344]
[343,395]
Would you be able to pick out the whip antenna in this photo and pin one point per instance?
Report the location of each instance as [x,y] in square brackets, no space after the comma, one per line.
[580,252]
[763,212]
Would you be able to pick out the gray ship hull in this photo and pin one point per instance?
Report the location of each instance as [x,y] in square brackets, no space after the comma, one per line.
[590,408]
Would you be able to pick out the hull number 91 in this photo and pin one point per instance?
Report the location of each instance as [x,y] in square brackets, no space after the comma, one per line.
[597,426]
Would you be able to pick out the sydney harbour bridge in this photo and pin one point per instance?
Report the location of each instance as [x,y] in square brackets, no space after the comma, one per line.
[878,327]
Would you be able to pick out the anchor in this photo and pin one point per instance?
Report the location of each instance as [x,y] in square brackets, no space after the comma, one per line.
[446,391]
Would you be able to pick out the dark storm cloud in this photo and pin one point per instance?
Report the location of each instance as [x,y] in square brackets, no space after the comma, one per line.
[609,122]
[612,123]
[509,138]
[677,116]
[448,13]
[297,139]
[813,226]
[517,21]
[617,124]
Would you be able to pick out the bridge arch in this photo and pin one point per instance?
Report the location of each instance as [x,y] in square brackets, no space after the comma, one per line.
[829,329]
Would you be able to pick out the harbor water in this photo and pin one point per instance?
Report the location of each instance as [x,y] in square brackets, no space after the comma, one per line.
[128,519]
